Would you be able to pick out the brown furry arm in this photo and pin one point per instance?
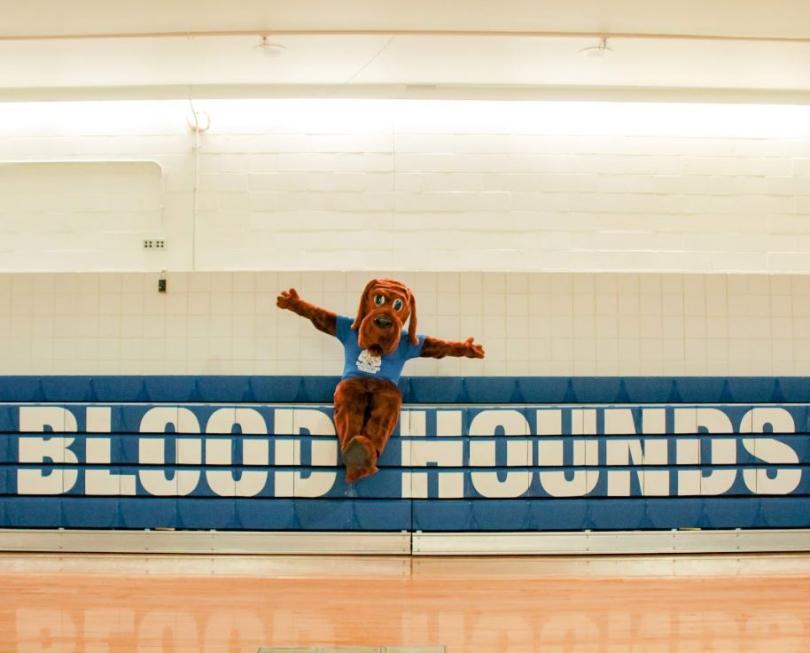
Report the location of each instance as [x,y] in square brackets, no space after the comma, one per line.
[323,320]
[438,348]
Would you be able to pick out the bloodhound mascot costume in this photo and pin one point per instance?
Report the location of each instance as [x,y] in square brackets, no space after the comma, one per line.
[367,399]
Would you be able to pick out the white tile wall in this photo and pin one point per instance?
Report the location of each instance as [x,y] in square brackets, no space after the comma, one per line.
[438,186]
[530,323]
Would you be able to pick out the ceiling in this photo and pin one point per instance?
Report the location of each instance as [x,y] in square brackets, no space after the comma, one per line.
[771,18]
[373,46]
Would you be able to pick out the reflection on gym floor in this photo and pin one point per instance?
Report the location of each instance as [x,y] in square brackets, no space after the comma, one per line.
[466,605]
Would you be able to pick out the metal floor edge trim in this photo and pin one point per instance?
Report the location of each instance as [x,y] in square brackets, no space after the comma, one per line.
[405,543]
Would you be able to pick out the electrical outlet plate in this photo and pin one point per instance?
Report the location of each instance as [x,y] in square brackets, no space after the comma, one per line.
[154,243]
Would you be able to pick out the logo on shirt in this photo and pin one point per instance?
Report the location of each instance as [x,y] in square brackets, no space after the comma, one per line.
[369,363]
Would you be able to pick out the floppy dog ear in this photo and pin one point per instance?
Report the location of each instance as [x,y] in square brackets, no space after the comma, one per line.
[361,309]
[412,337]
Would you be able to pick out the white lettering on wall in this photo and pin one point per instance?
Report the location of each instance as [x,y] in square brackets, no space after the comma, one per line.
[550,453]
[54,450]
[219,451]
[100,481]
[152,451]
[518,454]
[433,451]
[723,452]
[626,452]
[769,450]
[291,422]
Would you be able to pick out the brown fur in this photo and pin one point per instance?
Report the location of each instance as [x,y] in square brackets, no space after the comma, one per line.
[367,409]
[371,336]
[323,320]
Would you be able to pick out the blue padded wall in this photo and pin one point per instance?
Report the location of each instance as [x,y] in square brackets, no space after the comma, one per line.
[474,454]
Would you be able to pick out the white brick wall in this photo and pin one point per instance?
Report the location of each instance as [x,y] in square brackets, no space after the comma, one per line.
[78,215]
[530,323]
[430,186]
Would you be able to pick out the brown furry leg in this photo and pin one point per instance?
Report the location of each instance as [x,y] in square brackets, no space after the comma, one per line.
[366,413]
[351,404]
[385,406]
[351,400]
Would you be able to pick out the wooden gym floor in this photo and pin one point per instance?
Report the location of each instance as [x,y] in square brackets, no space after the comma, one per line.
[191,604]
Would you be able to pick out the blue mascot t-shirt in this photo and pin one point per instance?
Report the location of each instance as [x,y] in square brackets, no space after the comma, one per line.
[359,362]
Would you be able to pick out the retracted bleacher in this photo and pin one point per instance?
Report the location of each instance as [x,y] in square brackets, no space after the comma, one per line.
[497,454]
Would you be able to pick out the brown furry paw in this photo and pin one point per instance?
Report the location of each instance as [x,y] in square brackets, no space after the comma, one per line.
[359,458]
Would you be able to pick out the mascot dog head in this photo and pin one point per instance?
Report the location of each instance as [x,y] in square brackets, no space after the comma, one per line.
[384,307]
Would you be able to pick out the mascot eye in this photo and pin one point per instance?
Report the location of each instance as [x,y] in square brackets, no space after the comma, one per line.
[379,300]
[398,304]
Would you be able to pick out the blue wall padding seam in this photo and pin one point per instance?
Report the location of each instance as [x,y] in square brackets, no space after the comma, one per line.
[452,390]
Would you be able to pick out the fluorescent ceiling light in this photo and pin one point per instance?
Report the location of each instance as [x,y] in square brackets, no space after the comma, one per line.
[410,116]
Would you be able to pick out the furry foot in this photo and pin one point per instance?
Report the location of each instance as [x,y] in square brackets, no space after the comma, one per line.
[359,459]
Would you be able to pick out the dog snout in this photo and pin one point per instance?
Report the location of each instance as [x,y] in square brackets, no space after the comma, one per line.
[383,321]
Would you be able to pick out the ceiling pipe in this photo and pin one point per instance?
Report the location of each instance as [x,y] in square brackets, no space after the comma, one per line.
[393,33]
